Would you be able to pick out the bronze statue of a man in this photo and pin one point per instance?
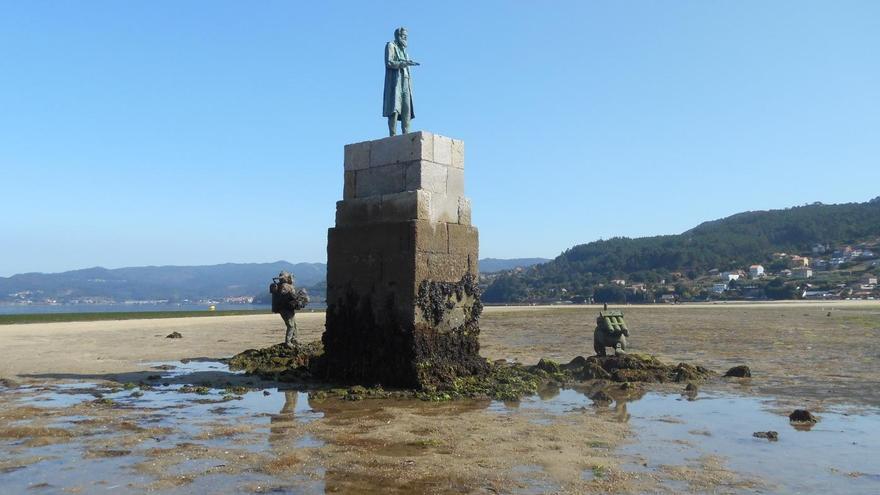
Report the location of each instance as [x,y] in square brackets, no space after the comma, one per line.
[398,103]
[286,301]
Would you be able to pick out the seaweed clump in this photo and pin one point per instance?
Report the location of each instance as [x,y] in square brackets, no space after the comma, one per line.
[503,382]
[499,380]
[633,368]
[280,361]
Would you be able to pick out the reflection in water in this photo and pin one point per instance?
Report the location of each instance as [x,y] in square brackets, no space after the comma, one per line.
[286,427]
[548,391]
[281,423]
[620,413]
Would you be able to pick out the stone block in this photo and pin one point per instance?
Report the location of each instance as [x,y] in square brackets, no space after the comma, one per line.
[442,150]
[358,211]
[360,270]
[430,237]
[458,153]
[349,188]
[403,148]
[371,238]
[417,146]
[391,237]
[339,240]
[454,182]
[463,239]
[440,267]
[464,211]
[376,181]
[444,208]
[382,151]
[357,156]
[405,206]
[426,175]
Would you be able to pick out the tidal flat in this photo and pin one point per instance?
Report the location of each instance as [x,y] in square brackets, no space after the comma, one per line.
[115,406]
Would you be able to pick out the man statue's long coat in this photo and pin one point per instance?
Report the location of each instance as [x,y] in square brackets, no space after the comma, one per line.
[394,81]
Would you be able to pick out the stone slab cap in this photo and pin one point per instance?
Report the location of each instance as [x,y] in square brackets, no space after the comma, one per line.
[421,145]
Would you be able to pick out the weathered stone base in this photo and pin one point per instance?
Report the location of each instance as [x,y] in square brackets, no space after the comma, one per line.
[402,310]
[363,346]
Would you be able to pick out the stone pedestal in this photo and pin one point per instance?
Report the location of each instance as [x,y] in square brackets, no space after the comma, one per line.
[402,301]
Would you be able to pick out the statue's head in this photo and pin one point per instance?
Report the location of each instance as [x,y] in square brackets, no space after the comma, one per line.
[400,36]
[285,276]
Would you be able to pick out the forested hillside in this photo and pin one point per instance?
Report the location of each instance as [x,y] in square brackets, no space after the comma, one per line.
[729,243]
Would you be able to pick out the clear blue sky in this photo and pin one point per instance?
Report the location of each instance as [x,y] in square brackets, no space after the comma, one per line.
[168,132]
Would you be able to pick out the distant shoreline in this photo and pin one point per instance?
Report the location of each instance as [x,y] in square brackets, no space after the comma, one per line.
[35,309]
[13,319]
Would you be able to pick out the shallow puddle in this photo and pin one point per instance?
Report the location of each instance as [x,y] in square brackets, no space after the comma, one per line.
[840,454]
[174,434]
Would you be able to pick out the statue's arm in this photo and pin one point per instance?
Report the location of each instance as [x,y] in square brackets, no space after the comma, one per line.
[391,60]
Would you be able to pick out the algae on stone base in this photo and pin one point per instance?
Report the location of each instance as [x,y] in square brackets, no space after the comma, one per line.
[499,380]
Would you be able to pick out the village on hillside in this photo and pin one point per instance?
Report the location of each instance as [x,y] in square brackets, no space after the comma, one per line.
[825,273]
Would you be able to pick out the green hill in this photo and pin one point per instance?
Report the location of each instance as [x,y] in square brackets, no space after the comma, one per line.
[730,243]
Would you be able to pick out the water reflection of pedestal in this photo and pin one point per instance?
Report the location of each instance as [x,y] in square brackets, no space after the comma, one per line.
[402,302]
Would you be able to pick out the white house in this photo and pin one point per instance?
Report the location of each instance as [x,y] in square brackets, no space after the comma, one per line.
[756,271]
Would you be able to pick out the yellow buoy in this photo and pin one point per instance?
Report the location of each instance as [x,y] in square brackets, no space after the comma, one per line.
[212,308]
